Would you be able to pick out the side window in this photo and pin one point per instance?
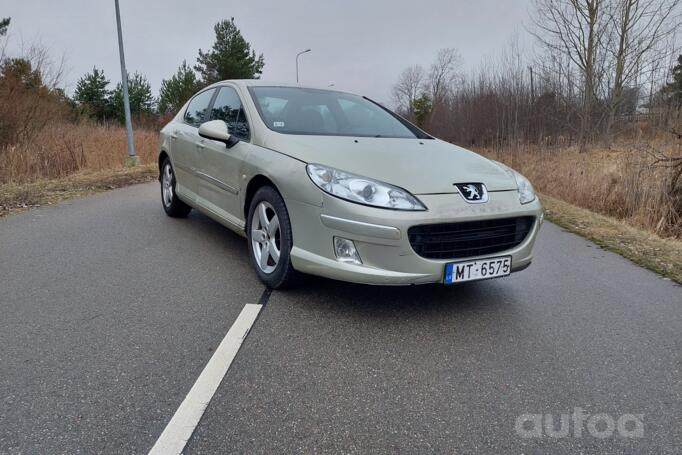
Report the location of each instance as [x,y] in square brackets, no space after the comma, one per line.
[194,115]
[228,108]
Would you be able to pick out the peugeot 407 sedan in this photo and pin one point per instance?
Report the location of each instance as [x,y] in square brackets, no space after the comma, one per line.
[333,184]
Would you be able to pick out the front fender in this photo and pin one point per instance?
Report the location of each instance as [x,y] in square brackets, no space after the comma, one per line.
[288,174]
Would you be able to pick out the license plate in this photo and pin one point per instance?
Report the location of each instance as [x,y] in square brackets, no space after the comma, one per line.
[458,272]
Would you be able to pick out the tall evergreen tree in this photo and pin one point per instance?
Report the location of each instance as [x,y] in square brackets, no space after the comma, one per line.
[140,94]
[178,89]
[231,56]
[91,94]
[4,24]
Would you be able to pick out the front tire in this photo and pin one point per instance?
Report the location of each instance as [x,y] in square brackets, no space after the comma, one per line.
[270,240]
[172,205]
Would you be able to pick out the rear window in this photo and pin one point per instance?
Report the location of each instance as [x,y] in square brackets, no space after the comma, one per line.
[295,110]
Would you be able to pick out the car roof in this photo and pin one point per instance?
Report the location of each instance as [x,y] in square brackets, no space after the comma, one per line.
[261,83]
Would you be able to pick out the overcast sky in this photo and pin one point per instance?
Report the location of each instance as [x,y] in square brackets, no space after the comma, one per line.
[359,46]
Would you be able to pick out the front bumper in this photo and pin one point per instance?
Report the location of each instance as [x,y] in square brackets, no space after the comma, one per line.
[380,236]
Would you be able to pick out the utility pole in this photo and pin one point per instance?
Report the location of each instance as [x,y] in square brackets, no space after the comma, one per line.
[132,158]
[532,85]
[297,55]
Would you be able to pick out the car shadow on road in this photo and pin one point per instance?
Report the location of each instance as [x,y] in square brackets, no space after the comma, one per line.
[377,301]
[213,232]
[384,301]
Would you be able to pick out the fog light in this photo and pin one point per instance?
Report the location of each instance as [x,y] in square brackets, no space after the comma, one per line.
[345,251]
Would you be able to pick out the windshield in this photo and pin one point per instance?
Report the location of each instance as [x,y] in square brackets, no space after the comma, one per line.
[294,110]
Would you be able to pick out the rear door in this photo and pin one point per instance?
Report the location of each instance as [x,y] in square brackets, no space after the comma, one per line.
[185,137]
[219,166]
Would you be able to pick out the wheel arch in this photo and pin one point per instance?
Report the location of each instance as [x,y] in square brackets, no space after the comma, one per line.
[257,181]
[162,157]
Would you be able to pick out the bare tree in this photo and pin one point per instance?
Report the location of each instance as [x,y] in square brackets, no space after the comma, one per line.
[443,74]
[638,26]
[597,57]
[576,29]
[408,88]
[51,70]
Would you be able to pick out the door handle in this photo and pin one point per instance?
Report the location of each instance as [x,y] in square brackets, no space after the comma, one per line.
[174,134]
[200,145]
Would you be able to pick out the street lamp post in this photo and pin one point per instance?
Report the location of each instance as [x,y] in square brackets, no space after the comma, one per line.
[297,56]
[132,158]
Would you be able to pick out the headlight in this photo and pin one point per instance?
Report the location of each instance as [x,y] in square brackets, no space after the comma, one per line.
[526,193]
[362,190]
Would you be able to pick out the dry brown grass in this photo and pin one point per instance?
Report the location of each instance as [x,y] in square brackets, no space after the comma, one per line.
[619,182]
[20,197]
[644,248]
[63,148]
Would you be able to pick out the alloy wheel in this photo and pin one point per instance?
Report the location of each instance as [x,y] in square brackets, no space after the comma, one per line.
[167,185]
[265,237]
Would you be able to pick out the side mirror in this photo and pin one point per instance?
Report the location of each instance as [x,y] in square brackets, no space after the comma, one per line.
[217,130]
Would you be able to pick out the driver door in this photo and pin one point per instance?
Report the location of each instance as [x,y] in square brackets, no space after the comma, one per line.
[219,167]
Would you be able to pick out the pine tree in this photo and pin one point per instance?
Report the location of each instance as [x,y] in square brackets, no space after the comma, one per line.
[422,107]
[139,93]
[178,89]
[92,95]
[21,71]
[231,56]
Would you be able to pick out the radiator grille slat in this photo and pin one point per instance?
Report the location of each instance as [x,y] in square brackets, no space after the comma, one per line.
[469,238]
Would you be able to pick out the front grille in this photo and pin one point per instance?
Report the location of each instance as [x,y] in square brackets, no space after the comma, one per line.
[469,238]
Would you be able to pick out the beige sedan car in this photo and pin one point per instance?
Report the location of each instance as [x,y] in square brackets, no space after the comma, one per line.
[333,184]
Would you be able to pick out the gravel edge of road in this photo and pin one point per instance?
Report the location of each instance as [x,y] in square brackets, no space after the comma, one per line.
[15,198]
[643,248]
[660,255]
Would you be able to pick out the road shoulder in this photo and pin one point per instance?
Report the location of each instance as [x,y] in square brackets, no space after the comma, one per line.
[15,198]
[663,256]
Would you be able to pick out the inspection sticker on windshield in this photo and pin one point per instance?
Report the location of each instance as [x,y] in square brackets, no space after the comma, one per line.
[457,272]
[278,124]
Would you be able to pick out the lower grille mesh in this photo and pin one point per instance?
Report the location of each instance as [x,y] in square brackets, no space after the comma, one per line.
[469,238]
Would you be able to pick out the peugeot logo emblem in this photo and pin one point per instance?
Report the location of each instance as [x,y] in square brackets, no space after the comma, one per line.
[473,193]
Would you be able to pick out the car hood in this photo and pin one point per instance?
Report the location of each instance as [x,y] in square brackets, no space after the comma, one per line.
[421,166]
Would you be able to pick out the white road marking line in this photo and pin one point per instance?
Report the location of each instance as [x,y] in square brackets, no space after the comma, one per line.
[186,418]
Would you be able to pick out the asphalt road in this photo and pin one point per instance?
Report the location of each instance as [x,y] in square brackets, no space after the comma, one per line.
[109,311]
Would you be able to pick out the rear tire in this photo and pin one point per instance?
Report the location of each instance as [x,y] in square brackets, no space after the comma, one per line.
[172,205]
[268,230]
